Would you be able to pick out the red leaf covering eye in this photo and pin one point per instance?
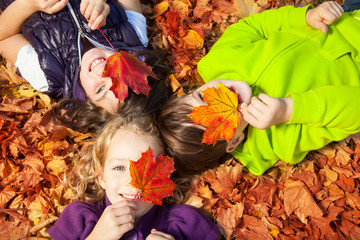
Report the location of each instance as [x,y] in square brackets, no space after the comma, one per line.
[126,70]
[152,176]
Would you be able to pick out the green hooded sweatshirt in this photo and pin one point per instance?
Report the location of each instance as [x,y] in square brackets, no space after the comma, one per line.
[277,53]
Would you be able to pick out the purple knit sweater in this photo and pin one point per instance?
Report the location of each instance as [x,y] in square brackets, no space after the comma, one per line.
[181,221]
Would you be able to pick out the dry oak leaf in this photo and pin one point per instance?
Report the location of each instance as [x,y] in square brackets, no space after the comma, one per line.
[220,116]
[192,40]
[182,7]
[298,199]
[126,70]
[152,176]
[159,9]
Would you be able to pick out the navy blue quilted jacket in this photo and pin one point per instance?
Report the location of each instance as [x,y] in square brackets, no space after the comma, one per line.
[57,40]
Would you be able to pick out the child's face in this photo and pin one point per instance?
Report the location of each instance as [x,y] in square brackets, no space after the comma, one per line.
[115,176]
[242,89]
[97,88]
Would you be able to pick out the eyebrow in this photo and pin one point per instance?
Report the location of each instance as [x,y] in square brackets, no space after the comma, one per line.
[117,160]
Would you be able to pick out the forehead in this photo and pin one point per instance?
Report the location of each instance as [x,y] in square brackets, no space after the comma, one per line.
[213,83]
[127,144]
[192,99]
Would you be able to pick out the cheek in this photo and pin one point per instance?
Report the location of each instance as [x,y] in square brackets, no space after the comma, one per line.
[82,80]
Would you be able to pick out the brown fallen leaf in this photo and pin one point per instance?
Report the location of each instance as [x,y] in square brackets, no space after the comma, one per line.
[298,200]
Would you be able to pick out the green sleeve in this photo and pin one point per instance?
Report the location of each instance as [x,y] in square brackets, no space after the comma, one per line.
[332,107]
[320,116]
[259,26]
[323,115]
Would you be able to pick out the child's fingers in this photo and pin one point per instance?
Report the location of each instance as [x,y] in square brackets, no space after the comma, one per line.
[266,99]
[88,11]
[95,13]
[124,219]
[124,228]
[336,9]
[101,19]
[330,12]
[55,6]
[159,235]
[98,22]
[249,118]
[256,106]
[83,6]
[254,111]
[330,16]
[256,102]
[124,203]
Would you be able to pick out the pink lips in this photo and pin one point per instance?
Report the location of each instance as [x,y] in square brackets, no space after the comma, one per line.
[132,197]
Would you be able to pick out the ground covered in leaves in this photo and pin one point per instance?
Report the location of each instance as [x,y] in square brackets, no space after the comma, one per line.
[316,199]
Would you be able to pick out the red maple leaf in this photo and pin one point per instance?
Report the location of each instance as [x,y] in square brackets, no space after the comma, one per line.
[126,70]
[152,176]
[172,23]
[219,117]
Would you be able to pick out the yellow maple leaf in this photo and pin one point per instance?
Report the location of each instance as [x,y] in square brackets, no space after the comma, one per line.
[219,116]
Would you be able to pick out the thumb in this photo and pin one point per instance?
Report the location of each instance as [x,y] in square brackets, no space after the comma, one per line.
[321,26]
[324,27]
[243,107]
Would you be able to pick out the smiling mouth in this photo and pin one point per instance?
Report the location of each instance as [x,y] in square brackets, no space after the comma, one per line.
[131,196]
[96,62]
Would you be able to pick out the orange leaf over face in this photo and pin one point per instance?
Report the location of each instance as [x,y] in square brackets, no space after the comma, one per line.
[126,70]
[219,116]
[152,176]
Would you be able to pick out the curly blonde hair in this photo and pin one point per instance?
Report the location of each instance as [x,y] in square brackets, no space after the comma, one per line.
[86,169]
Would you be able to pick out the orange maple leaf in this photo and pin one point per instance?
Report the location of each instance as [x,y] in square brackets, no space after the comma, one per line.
[219,116]
[152,176]
[126,70]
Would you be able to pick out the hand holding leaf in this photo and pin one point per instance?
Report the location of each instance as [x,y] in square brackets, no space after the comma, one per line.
[152,177]
[219,116]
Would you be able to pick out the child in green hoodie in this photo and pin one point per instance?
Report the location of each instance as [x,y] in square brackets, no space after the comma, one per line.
[296,72]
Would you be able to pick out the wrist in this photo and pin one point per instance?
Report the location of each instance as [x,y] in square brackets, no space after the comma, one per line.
[27,7]
[288,103]
[308,16]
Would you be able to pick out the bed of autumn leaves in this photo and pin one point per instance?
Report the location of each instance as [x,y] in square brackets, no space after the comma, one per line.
[316,199]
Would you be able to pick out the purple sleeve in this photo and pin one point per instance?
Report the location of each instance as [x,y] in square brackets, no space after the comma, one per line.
[76,221]
[187,222]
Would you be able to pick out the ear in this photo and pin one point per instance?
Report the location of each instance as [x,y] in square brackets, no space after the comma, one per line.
[101,178]
[234,142]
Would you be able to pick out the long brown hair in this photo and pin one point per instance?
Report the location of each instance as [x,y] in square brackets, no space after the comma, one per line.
[83,179]
[183,139]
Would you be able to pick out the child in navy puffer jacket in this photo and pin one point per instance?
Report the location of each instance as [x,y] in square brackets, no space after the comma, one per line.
[49,42]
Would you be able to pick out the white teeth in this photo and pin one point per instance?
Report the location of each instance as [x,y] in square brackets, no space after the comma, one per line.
[131,197]
[93,64]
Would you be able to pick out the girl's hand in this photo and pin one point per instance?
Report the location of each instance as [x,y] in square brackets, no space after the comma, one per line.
[116,220]
[95,11]
[265,111]
[157,235]
[323,15]
[47,6]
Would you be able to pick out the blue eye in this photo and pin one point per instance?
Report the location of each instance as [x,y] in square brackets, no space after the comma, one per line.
[119,168]
[100,89]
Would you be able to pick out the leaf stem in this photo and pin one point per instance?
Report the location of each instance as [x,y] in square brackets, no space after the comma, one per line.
[107,40]
[136,195]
